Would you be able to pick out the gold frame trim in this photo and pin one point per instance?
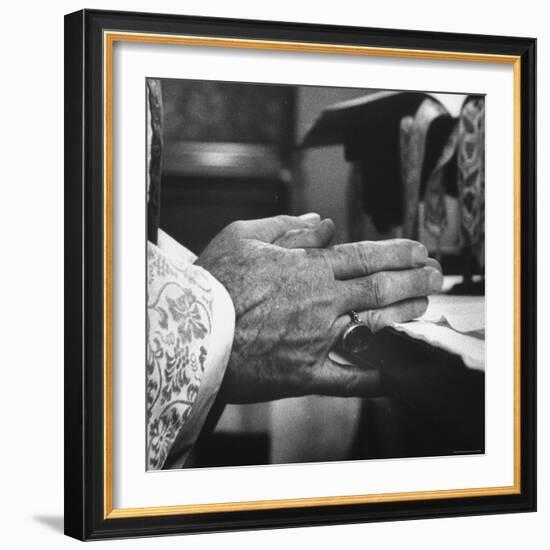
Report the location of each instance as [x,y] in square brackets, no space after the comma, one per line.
[109,39]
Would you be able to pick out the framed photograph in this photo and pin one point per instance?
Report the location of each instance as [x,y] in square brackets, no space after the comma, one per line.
[300,274]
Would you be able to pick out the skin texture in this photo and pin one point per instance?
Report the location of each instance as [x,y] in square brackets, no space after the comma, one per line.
[292,294]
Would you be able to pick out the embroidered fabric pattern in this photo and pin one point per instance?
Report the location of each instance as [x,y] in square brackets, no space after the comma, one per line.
[179,325]
[471,175]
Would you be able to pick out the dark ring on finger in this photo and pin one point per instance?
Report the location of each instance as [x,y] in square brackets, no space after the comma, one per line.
[356,336]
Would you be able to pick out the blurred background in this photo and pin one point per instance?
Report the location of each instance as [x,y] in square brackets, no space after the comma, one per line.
[381,164]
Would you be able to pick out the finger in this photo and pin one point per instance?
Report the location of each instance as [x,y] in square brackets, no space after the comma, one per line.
[388,287]
[366,257]
[269,229]
[314,237]
[346,380]
[377,319]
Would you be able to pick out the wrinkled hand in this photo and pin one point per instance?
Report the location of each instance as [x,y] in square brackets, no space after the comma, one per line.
[291,297]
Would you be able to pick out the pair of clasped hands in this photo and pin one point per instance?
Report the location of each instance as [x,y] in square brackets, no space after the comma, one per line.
[292,294]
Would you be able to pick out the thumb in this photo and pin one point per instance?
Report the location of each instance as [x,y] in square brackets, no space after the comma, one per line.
[269,230]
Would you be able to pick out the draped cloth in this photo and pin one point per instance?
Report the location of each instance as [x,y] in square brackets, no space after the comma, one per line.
[453,164]
[442,156]
[471,176]
[413,145]
[460,166]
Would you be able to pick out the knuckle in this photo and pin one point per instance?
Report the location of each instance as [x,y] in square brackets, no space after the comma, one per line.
[377,285]
[363,257]
[320,260]
[236,228]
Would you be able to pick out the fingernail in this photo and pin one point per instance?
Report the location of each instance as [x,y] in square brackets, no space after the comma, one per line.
[419,254]
[311,217]
[436,279]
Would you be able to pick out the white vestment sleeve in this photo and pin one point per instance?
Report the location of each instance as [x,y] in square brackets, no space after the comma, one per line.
[190,326]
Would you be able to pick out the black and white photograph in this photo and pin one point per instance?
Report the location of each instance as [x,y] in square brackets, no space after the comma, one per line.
[270,275]
[315,274]
[300,275]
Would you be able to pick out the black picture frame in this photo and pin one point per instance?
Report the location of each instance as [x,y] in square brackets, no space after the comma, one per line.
[86,512]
